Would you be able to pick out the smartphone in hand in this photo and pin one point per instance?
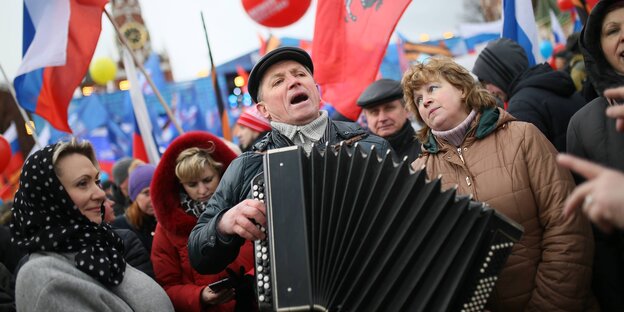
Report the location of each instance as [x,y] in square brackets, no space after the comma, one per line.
[221,285]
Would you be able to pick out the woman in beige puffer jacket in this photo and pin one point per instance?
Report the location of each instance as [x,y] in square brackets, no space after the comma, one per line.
[510,165]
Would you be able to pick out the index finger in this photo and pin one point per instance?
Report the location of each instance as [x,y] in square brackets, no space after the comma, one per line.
[614,92]
[585,168]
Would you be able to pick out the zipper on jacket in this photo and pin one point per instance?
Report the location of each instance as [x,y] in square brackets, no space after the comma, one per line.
[459,152]
[460,155]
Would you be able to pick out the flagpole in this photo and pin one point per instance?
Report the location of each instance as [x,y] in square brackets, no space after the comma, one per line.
[225,122]
[27,121]
[144,72]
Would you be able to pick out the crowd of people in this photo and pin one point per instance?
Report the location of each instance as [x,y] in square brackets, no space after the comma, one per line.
[544,146]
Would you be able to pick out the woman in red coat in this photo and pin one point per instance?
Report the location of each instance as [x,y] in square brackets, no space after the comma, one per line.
[184,181]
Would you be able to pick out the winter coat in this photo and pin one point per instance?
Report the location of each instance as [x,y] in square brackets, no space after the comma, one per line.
[7,300]
[511,166]
[9,253]
[591,135]
[145,233]
[169,252]
[404,142]
[135,254]
[51,282]
[209,253]
[547,99]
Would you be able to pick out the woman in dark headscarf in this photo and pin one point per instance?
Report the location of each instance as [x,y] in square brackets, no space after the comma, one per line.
[75,260]
[593,136]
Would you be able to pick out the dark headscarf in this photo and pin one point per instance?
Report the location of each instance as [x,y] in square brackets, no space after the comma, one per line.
[46,219]
[602,74]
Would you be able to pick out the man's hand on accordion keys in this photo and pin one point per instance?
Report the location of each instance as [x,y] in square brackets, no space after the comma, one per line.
[241,220]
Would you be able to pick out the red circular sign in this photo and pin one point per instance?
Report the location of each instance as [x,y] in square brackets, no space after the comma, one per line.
[276,13]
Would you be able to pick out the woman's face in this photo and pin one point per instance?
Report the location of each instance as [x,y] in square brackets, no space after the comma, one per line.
[440,105]
[201,190]
[612,39]
[80,178]
[144,201]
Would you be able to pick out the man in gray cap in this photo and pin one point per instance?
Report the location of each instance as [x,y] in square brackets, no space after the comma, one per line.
[120,186]
[538,94]
[283,87]
[386,115]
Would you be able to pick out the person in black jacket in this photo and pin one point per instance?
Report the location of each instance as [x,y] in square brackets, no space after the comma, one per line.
[592,135]
[383,105]
[283,87]
[539,95]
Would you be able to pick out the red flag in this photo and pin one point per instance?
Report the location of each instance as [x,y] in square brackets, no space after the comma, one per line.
[350,39]
[59,39]
[138,146]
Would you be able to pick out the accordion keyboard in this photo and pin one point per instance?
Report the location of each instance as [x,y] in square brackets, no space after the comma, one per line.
[261,251]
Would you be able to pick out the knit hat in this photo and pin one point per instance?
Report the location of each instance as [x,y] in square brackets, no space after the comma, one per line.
[139,179]
[500,63]
[120,170]
[251,118]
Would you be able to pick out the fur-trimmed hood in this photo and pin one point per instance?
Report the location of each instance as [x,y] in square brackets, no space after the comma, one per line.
[165,188]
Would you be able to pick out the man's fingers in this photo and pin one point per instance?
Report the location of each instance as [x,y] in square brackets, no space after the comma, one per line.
[585,168]
[614,93]
[576,198]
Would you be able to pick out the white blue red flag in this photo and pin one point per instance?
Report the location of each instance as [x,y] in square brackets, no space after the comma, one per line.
[557,29]
[519,25]
[59,39]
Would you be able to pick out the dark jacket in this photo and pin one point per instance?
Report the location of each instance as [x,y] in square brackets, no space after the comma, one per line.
[547,99]
[145,233]
[122,202]
[210,254]
[405,143]
[9,253]
[135,254]
[591,135]
[7,290]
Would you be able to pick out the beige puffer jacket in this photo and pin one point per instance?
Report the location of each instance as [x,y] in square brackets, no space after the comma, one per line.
[511,166]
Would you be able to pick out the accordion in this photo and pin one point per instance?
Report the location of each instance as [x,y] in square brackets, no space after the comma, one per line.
[351,231]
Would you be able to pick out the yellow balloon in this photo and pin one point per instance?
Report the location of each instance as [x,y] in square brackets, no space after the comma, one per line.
[103,70]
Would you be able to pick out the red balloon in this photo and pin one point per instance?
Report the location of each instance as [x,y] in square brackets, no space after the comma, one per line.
[276,13]
[5,153]
[565,5]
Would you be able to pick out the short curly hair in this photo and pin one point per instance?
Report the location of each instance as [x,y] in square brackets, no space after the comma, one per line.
[434,69]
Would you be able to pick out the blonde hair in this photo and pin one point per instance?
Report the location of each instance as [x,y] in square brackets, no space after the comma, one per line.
[73,146]
[434,69]
[191,162]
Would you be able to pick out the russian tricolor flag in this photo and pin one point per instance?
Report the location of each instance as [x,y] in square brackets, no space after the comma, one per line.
[519,25]
[59,39]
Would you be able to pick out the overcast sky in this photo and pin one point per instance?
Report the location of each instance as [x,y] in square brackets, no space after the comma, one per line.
[175,26]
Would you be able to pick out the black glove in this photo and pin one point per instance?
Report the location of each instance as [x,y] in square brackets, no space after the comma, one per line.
[245,294]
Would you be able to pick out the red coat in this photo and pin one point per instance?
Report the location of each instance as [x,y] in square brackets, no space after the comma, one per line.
[172,268]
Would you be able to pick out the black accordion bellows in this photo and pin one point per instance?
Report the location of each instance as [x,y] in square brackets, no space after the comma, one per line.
[348,231]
